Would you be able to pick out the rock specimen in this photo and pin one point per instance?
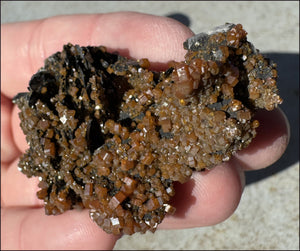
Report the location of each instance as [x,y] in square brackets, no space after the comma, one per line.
[107,134]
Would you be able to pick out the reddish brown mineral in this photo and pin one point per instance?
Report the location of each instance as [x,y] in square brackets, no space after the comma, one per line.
[108,134]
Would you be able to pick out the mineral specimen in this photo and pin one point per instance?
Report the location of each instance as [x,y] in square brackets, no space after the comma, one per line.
[107,134]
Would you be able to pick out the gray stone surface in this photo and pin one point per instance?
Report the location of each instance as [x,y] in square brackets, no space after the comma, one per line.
[268,214]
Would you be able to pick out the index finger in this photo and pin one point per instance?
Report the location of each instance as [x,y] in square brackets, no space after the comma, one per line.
[26,45]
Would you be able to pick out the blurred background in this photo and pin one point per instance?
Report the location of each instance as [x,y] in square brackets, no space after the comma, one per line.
[268,214]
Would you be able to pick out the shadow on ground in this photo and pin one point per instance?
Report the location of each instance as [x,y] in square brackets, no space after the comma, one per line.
[180,17]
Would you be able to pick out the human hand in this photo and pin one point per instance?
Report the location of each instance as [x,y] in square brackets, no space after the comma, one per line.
[208,198]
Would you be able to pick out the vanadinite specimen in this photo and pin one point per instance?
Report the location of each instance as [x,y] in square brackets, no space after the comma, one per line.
[107,134]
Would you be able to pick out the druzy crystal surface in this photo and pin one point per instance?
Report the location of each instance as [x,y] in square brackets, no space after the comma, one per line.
[108,134]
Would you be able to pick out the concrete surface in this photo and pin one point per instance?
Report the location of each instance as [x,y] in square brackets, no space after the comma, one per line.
[268,214]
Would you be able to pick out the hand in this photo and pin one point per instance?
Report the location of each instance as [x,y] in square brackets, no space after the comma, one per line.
[208,198]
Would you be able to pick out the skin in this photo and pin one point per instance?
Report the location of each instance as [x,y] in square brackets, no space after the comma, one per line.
[209,197]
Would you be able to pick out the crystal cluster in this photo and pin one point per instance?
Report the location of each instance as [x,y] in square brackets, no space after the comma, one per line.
[108,134]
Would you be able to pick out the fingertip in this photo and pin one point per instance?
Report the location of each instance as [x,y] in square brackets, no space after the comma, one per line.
[270,143]
[215,196]
[160,39]
[224,188]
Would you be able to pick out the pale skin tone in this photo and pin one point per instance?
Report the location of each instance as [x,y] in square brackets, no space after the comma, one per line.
[208,198]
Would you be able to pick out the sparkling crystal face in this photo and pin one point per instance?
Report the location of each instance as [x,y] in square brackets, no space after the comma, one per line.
[108,134]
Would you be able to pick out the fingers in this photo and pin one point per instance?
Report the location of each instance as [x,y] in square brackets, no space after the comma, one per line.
[27,228]
[208,198]
[9,151]
[17,133]
[136,35]
[17,189]
[270,143]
